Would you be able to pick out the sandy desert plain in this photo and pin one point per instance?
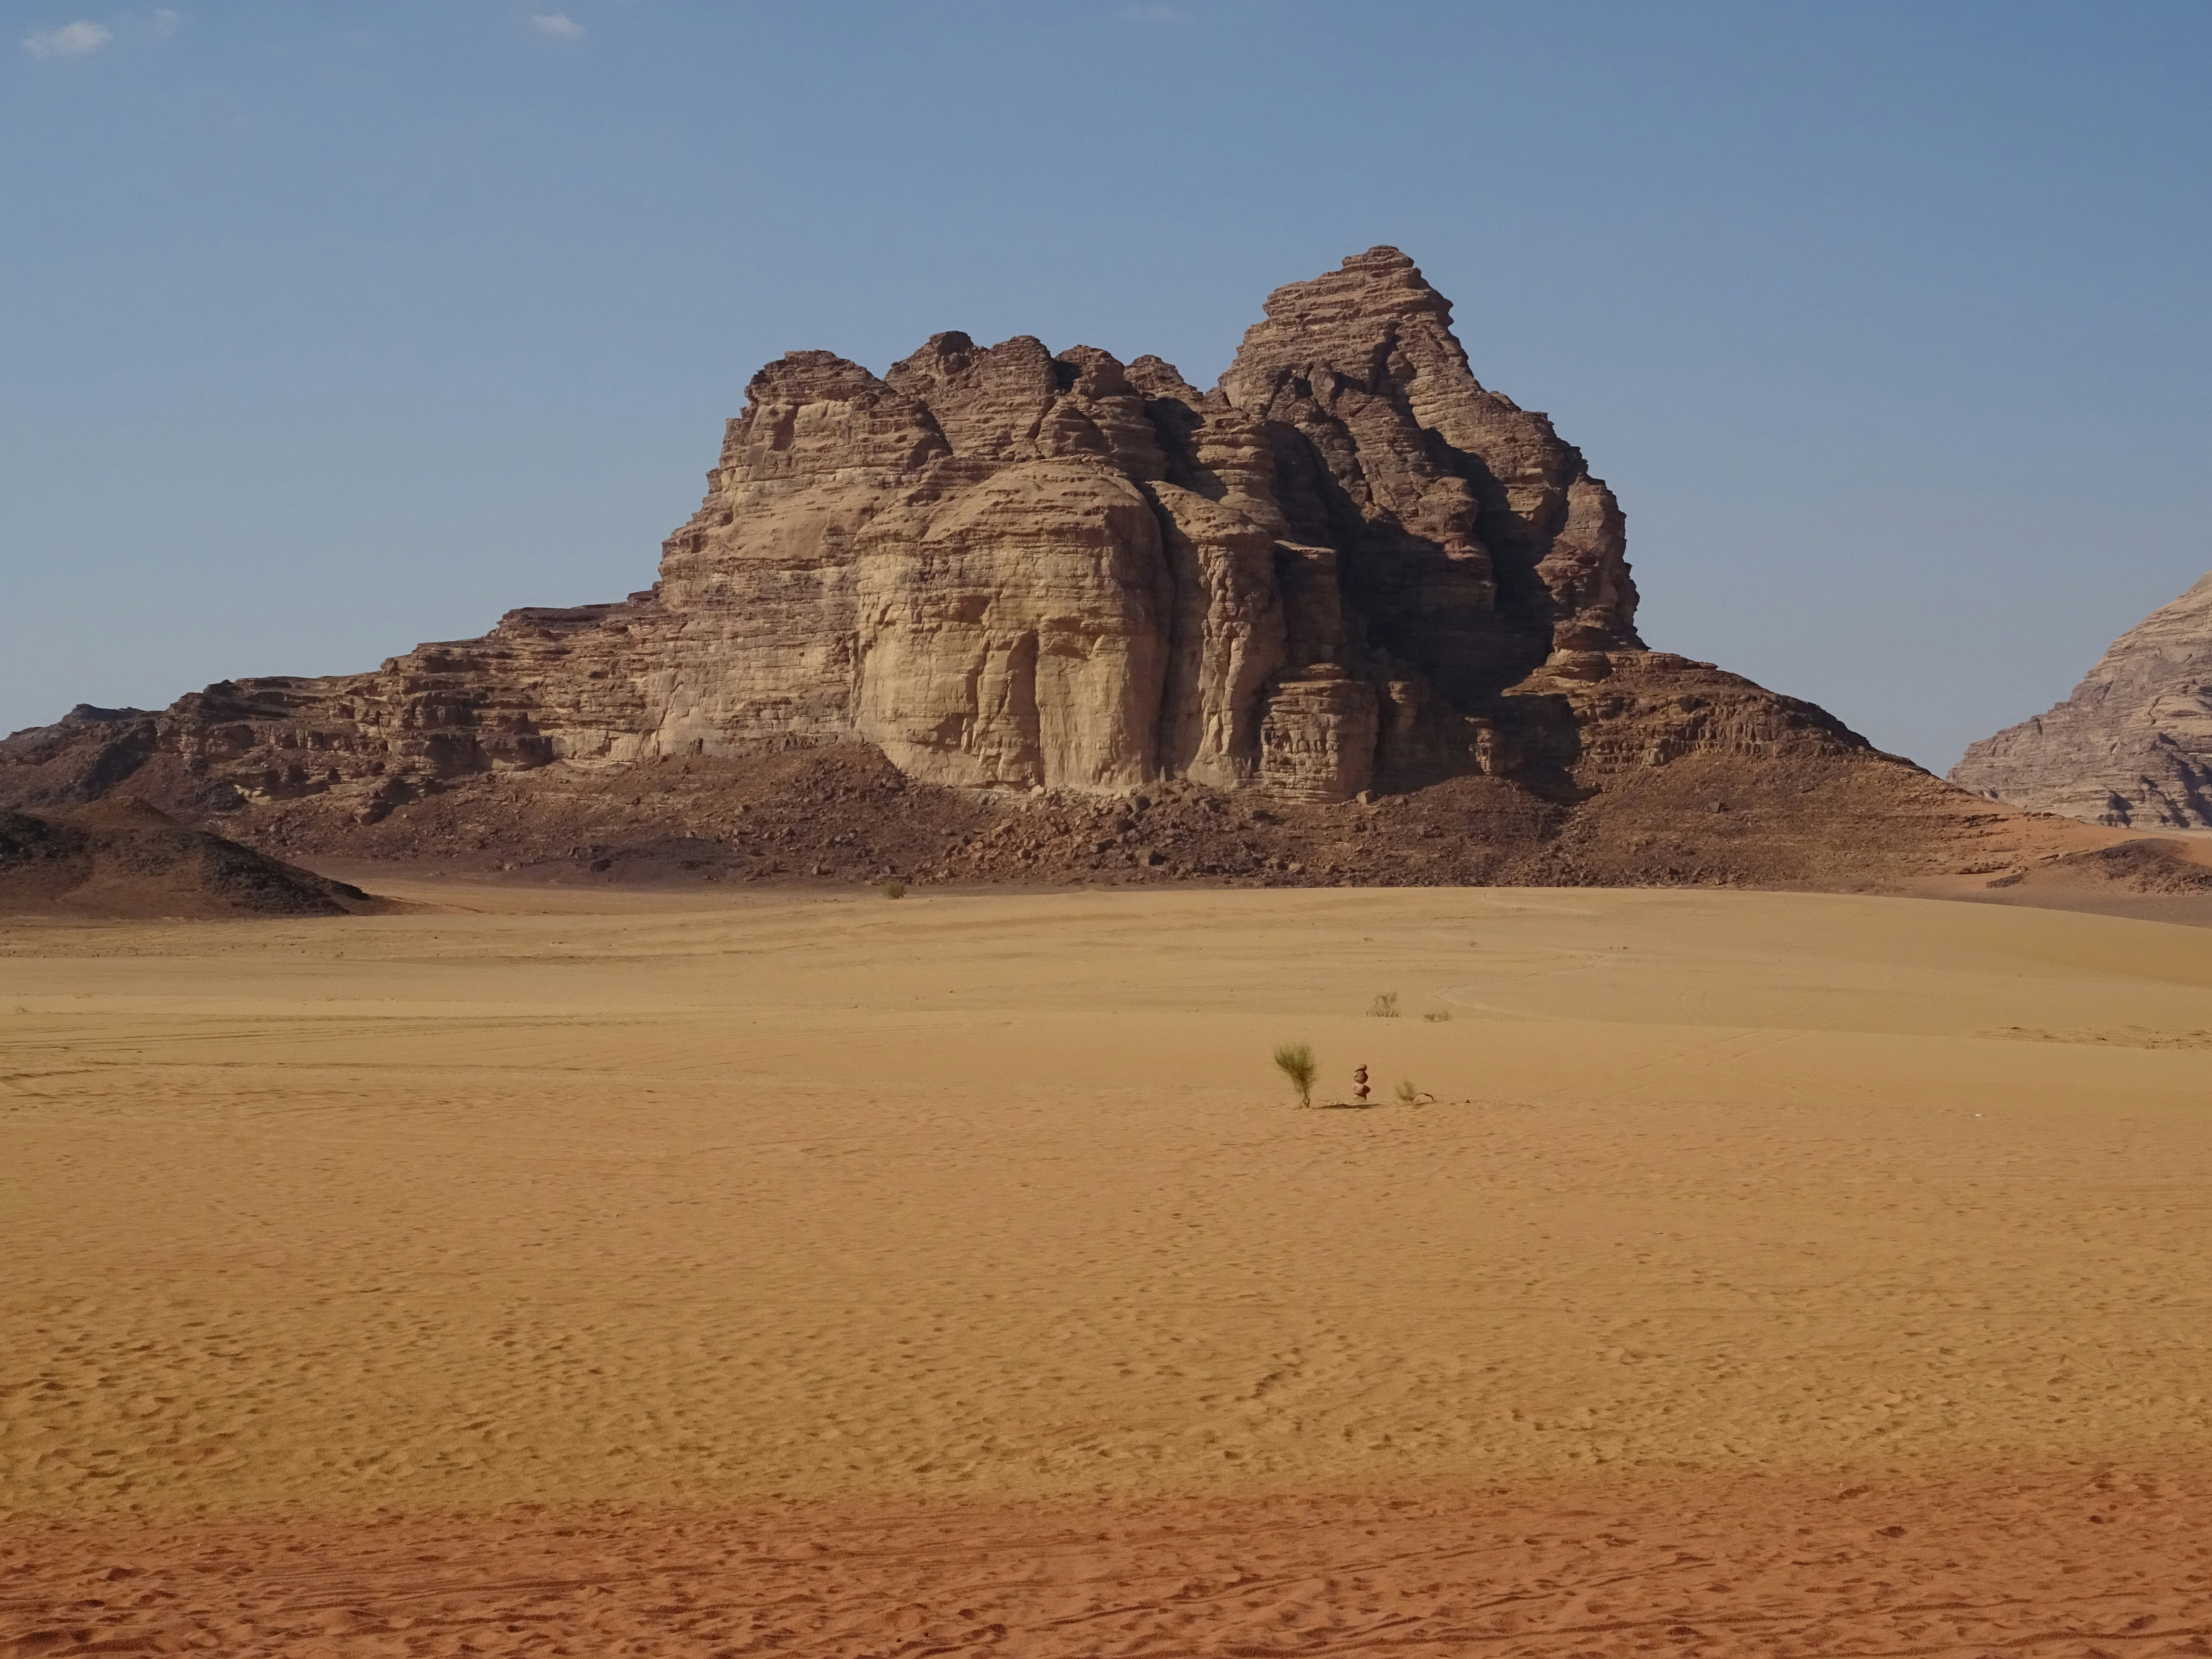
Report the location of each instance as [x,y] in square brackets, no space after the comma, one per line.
[544,1271]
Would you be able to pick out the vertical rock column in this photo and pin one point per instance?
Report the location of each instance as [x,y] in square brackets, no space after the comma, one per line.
[1021,638]
[1317,738]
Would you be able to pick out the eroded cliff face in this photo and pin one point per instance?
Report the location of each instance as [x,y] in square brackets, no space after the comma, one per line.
[2132,746]
[1009,569]
[1349,566]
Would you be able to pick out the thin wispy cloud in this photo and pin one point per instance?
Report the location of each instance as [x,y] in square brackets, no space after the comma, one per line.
[79,39]
[167,23]
[556,25]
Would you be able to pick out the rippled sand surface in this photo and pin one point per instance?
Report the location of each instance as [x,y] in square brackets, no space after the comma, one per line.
[964,1221]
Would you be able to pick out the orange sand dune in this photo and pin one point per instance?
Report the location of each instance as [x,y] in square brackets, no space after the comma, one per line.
[940,1229]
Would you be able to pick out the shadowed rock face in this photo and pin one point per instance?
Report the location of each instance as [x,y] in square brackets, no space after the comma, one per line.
[1349,565]
[2132,746]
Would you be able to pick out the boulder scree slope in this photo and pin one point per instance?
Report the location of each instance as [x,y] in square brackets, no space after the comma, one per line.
[121,858]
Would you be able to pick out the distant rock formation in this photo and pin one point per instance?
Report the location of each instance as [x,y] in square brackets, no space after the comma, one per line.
[2132,746]
[1349,571]
[123,857]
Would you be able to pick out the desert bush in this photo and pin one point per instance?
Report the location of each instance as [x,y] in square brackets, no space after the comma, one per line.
[1408,1094]
[1437,1016]
[891,887]
[1385,1006]
[1295,1061]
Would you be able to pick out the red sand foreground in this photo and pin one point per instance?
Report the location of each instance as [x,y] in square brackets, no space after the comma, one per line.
[2057,1564]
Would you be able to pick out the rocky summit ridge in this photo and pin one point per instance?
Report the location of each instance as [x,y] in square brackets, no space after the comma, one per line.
[1350,570]
[2132,745]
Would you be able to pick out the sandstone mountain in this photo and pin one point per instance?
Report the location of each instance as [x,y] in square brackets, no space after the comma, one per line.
[999,575]
[2132,746]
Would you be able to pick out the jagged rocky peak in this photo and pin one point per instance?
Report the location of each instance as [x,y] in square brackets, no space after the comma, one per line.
[2132,745]
[1364,361]
[1347,566]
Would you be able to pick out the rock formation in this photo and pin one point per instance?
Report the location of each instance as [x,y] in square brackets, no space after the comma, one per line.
[996,573]
[123,857]
[1010,569]
[2132,746]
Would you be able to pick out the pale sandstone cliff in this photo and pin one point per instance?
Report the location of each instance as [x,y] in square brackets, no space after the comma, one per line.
[2132,746]
[1348,569]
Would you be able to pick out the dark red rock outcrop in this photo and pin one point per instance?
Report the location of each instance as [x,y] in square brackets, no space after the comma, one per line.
[123,857]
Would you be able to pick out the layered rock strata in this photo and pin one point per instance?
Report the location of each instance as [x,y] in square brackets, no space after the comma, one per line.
[2132,746]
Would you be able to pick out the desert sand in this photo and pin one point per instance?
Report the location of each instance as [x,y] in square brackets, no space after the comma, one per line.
[593,1273]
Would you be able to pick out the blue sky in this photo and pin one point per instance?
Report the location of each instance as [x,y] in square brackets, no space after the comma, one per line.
[327,329]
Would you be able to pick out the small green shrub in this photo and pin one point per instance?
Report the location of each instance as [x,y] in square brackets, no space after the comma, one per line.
[891,887]
[1295,1061]
[1385,1006]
